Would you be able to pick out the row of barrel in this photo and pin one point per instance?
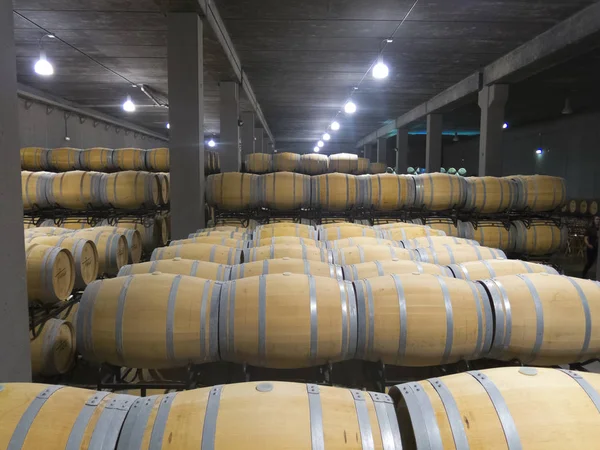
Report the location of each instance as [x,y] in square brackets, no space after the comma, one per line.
[581,207]
[79,190]
[99,159]
[286,191]
[312,164]
[500,408]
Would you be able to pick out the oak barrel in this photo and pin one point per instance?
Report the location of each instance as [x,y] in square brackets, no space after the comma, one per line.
[334,192]
[374,269]
[482,270]
[439,191]
[180,266]
[286,162]
[540,238]
[490,195]
[367,253]
[286,264]
[202,252]
[314,164]
[290,251]
[455,254]
[386,192]
[34,159]
[362,240]
[233,191]
[50,273]
[98,159]
[539,193]
[64,159]
[343,163]
[130,158]
[285,191]
[157,160]
[488,233]
[52,348]
[130,190]
[113,251]
[77,190]
[433,241]
[259,163]
[34,189]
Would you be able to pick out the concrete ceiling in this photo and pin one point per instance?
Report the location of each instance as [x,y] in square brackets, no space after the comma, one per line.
[302,58]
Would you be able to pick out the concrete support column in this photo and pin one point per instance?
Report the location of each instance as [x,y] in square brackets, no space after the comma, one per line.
[269,147]
[259,143]
[402,150]
[229,145]
[247,134]
[433,153]
[186,116]
[367,151]
[381,149]
[15,356]
[492,100]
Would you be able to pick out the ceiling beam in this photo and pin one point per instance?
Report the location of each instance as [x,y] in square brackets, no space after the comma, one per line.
[214,19]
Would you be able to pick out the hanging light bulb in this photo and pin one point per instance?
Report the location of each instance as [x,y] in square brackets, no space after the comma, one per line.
[320,144]
[316,149]
[129,106]
[335,126]
[380,70]
[168,126]
[350,107]
[326,136]
[43,66]
[505,126]
[212,143]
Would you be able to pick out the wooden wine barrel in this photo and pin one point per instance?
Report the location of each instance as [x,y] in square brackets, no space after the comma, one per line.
[334,192]
[52,348]
[446,225]
[544,319]
[47,231]
[152,231]
[539,192]
[387,192]
[392,225]
[573,206]
[367,253]
[407,233]
[455,254]
[283,225]
[343,163]
[308,326]
[34,159]
[84,252]
[50,273]
[34,189]
[174,316]
[434,241]
[374,269]
[130,190]
[302,415]
[409,320]
[541,238]
[314,164]
[439,191]
[71,224]
[286,162]
[59,417]
[362,240]
[345,232]
[285,191]
[222,228]
[179,266]
[217,233]
[488,233]
[113,251]
[77,190]
[233,191]
[70,315]
[503,408]
[286,264]
[164,188]
[64,159]
[225,242]
[593,208]
[290,251]
[130,158]
[98,159]
[376,168]
[157,160]
[133,238]
[363,166]
[202,252]
[482,270]
[490,195]
[286,240]
[342,223]
[259,163]
[297,230]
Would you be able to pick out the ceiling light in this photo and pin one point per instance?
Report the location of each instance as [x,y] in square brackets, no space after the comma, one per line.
[43,66]
[326,136]
[505,126]
[567,110]
[316,149]
[389,40]
[350,107]
[380,70]
[335,126]
[320,144]
[539,151]
[168,126]
[212,143]
[129,106]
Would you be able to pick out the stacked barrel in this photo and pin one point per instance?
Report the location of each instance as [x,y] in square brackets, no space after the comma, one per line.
[311,164]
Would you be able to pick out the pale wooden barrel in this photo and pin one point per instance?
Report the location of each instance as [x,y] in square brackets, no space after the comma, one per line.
[84,252]
[455,254]
[34,189]
[40,416]
[34,159]
[286,264]
[50,273]
[539,192]
[488,233]
[439,191]
[314,164]
[71,224]
[363,166]
[287,240]
[46,231]
[222,228]
[113,251]
[130,190]
[164,188]
[157,160]
[64,159]
[386,192]
[286,162]
[422,320]
[407,233]
[392,225]
[346,231]
[70,315]
[226,242]
[362,240]
[374,269]
[225,234]
[285,191]
[433,241]
[98,159]
[342,223]
[233,191]
[290,251]
[573,206]
[202,252]
[343,163]
[544,319]
[300,415]
[133,238]
[482,270]
[377,168]
[593,208]
[294,230]
[77,190]
[446,225]
[367,253]
[52,348]
[152,231]
[490,194]
[497,409]
[259,163]
[312,324]
[130,158]
[180,266]
[283,224]
[334,192]
[155,321]
[541,238]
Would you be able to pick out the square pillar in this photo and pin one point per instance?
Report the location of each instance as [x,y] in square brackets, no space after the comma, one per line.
[229,143]
[492,100]
[259,143]
[247,134]
[402,150]
[433,152]
[15,355]
[381,149]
